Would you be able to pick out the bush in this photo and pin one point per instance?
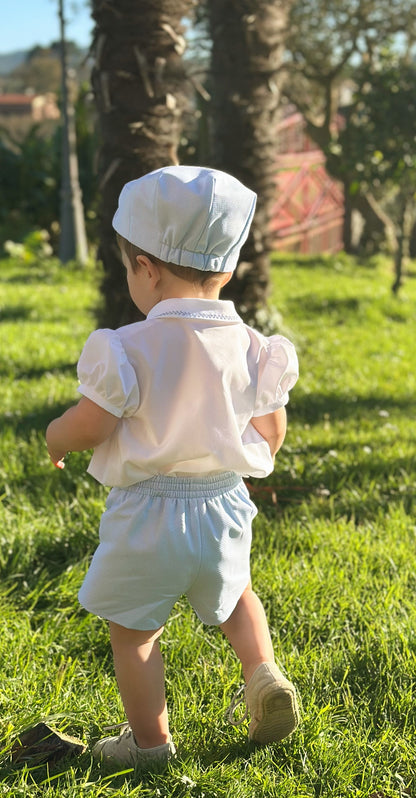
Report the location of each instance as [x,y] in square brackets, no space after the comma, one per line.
[35,247]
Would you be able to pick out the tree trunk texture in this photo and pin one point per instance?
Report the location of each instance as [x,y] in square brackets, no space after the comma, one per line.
[248,44]
[140,91]
[378,226]
[404,232]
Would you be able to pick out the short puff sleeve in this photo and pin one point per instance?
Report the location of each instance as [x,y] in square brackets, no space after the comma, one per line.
[278,373]
[106,376]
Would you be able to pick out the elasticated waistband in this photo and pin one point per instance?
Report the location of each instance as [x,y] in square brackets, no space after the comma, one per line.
[187,487]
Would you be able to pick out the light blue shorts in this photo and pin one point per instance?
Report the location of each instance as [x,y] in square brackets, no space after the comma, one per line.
[166,537]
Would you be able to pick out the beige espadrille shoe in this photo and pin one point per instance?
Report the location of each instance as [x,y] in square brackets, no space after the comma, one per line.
[123,750]
[271,702]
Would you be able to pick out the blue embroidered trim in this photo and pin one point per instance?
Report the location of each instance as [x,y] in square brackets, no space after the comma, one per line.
[204,314]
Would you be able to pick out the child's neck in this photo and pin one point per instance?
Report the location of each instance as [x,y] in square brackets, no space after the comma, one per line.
[170,286]
[173,287]
[191,292]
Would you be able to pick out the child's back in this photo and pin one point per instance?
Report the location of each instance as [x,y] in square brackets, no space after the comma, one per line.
[186,382]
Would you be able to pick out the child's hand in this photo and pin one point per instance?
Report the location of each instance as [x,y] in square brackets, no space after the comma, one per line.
[56,455]
[57,459]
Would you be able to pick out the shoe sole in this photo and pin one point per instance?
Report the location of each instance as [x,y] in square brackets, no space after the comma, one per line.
[278,716]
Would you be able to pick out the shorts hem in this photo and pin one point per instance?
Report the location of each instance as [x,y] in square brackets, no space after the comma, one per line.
[145,626]
[223,614]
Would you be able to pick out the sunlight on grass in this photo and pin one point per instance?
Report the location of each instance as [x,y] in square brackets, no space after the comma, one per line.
[334,555]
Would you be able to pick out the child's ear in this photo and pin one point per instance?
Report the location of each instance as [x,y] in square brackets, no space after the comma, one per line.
[226,278]
[150,269]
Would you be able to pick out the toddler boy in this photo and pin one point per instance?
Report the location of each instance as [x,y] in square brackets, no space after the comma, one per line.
[178,409]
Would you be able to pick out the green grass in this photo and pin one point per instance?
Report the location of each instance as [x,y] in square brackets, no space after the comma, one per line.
[333,555]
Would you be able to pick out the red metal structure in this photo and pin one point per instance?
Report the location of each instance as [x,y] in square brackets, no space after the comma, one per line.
[309,210]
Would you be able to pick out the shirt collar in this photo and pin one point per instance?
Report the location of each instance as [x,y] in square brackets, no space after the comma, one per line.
[190,308]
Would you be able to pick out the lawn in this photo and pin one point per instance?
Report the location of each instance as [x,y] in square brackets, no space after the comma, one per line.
[334,556]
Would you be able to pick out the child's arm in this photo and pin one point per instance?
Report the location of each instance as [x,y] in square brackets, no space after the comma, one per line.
[272,427]
[83,426]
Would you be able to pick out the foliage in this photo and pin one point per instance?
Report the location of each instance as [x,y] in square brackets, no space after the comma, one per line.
[41,69]
[333,555]
[30,174]
[327,44]
[87,143]
[267,319]
[378,141]
[327,40]
[40,72]
[30,167]
[33,249]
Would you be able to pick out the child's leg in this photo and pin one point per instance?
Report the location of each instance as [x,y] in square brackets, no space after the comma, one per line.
[140,675]
[270,697]
[248,632]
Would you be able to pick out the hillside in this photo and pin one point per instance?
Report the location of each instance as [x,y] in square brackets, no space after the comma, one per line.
[10,61]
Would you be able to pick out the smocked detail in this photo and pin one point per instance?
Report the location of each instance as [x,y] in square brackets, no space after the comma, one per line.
[203,314]
[187,487]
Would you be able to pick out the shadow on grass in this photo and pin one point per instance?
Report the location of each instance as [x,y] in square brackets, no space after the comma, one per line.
[35,421]
[17,313]
[26,276]
[311,262]
[368,679]
[312,408]
[55,774]
[359,489]
[215,754]
[58,369]
[317,305]
[332,488]
[44,774]
[309,409]
[41,273]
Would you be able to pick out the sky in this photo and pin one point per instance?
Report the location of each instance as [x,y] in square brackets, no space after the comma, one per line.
[25,23]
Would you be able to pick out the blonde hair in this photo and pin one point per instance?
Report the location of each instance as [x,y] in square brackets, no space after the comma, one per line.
[195,276]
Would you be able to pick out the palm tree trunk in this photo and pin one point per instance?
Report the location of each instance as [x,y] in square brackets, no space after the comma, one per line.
[248,45]
[138,81]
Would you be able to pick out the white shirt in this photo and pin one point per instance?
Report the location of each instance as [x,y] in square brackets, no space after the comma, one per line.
[185,383]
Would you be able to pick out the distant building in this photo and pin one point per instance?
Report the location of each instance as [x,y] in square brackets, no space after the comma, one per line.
[309,209]
[38,107]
